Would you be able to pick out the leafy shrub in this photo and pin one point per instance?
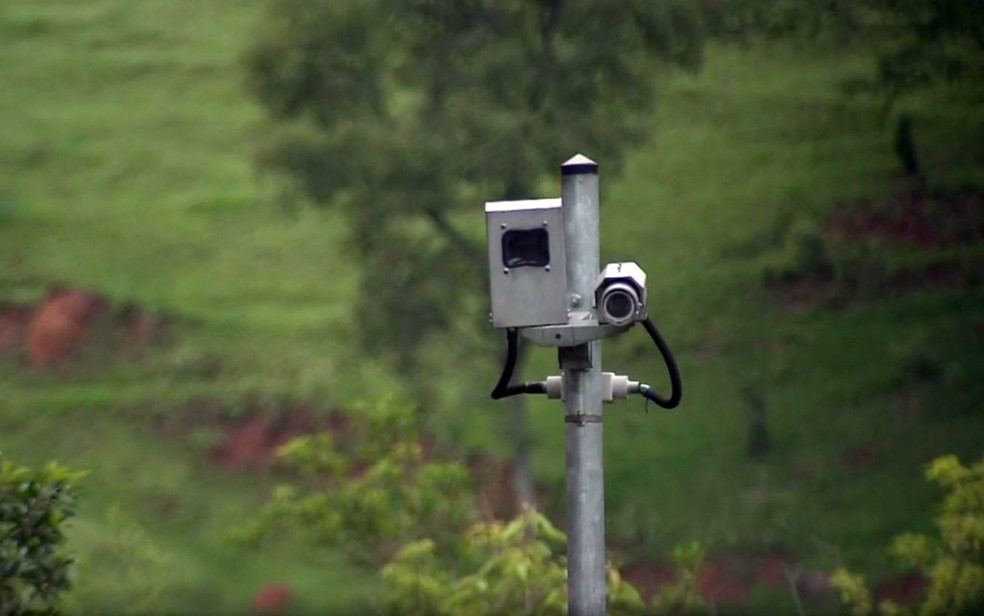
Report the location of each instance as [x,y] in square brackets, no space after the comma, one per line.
[953,561]
[34,506]
[517,567]
[373,499]
[683,596]
[377,497]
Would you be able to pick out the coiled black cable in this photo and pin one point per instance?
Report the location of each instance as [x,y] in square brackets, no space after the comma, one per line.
[503,389]
[676,387]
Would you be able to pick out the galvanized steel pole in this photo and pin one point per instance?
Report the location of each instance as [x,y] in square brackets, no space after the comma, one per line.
[582,391]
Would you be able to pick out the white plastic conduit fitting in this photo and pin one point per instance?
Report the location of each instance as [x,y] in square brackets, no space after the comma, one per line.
[613,387]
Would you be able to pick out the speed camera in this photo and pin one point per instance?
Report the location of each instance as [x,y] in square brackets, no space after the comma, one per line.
[527,263]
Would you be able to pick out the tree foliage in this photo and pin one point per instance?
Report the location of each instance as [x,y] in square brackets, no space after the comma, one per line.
[404,113]
[935,40]
[953,561]
[516,567]
[371,499]
[385,504]
[743,19]
[34,506]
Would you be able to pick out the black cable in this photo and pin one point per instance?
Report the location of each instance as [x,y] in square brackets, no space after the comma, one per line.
[676,387]
[503,389]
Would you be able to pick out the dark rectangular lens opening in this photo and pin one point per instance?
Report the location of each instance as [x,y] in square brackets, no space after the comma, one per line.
[526,247]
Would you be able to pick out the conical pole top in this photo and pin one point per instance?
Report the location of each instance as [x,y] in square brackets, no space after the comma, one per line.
[579,164]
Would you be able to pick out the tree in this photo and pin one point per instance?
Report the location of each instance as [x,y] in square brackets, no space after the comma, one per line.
[405,113]
[935,40]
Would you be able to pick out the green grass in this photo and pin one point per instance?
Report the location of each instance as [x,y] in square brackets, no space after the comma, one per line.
[125,166]
[126,144]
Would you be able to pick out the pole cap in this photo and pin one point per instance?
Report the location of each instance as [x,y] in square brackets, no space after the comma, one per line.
[579,164]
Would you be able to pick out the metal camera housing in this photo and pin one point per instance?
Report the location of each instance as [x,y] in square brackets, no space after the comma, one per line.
[620,294]
[527,263]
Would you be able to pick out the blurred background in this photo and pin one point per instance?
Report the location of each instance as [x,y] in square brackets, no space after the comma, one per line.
[225,224]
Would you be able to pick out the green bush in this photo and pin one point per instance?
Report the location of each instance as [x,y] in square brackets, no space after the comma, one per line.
[372,499]
[517,567]
[379,498]
[34,506]
[953,561]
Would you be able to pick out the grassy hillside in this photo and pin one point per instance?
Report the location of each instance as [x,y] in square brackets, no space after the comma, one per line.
[125,166]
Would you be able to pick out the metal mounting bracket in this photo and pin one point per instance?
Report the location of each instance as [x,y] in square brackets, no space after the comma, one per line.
[582,327]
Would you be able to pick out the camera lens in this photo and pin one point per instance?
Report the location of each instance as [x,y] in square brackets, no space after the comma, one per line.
[619,305]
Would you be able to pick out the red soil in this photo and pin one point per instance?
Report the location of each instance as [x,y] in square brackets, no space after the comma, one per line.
[722,581]
[13,325]
[905,589]
[915,218]
[273,598]
[49,332]
[250,444]
[60,324]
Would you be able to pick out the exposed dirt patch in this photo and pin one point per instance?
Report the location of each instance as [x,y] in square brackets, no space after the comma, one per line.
[273,598]
[13,326]
[649,577]
[905,589]
[251,444]
[913,217]
[837,264]
[723,580]
[805,293]
[51,332]
[862,454]
[248,441]
[60,323]
[910,406]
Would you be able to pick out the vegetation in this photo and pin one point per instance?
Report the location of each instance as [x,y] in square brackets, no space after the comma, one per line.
[379,495]
[126,166]
[387,506]
[34,507]
[517,567]
[379,118]
[953,562]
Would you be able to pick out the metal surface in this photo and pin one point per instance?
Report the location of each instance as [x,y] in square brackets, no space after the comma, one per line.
[527,296]
[582,393]
[628,273]
[582,327]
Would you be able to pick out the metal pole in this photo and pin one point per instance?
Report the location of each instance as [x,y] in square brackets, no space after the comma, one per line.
[581,367]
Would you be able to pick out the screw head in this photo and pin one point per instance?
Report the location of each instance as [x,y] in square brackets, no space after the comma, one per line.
[576,299]
[502,225]
[505,270]
[547,268]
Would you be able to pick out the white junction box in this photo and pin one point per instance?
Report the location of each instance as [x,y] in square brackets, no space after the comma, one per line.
[527,263]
